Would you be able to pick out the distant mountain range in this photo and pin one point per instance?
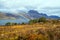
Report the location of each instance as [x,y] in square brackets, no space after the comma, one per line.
[34,14]
[31,14]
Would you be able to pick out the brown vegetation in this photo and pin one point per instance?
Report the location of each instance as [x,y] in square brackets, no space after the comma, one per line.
[37,31]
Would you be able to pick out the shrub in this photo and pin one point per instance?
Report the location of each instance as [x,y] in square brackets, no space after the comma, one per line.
[42,19]
[33,21]
[8,23]
[23,23]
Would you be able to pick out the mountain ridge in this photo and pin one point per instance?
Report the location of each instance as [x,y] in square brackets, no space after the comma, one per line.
[31,14]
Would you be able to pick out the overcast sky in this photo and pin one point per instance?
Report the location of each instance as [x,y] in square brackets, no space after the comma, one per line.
[50,7]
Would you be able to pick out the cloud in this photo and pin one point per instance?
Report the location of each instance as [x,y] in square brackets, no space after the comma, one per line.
[34,3]
[39,5]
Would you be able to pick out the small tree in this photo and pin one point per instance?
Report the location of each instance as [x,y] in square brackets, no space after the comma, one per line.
[33,21]
[22,23]
[14,23]
[8,23]
[42,19]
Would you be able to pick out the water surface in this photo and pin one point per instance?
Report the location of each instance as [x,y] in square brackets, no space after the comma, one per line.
[3,22]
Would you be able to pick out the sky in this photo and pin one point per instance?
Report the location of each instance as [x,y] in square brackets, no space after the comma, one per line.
[49,7]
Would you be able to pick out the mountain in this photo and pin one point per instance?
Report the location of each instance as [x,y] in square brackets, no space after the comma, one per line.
[10,16]
[54,17]
[34,14]
[6,16]
[31,14]
[23,16]
[3,16]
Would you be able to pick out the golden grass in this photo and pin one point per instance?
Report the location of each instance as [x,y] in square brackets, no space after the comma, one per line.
[24,29]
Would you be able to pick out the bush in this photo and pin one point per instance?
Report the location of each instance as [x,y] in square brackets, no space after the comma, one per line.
[23,23]
[8,23]
[42,19]
[14,23]
[33,21]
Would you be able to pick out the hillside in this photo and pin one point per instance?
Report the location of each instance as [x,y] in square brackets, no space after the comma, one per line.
[4,16]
